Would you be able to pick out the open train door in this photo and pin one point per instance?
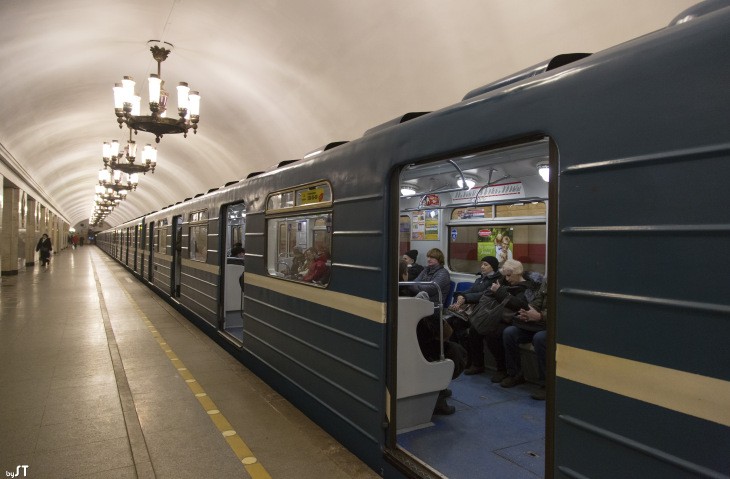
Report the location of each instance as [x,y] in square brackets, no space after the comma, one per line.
[176,256]
[233,267]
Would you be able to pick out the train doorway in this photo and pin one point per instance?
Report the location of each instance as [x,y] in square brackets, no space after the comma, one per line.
[176,256]
[233,265]
[454,413]
[151,250]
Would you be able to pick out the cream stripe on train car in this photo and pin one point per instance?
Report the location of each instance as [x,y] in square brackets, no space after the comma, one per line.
[700,396]
[366,308]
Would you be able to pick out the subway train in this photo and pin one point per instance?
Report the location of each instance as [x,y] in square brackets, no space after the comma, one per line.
[638,375]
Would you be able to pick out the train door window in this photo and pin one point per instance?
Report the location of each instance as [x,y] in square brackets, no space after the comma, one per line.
[235,227]
[490,202]
[299,234]
[198,236]
[161,239]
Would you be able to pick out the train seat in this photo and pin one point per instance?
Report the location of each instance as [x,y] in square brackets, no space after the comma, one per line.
[462,286]
[419,381]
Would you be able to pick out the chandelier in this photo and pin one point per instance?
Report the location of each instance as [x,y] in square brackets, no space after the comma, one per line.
[124,161]
[127,102]
[118,180]
[108,196]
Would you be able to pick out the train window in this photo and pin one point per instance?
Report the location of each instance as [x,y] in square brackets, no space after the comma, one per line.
[523,242]
[236,227]
[198,236]
[299,247]
[308,196]
[161,240]
[198,216]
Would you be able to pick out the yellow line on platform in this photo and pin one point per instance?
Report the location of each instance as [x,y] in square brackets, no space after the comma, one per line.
[235,442]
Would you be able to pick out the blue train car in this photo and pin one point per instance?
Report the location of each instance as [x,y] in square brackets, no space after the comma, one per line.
[627,233]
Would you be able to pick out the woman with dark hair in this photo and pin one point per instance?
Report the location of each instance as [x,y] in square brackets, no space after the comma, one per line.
[45,248]
[414,269]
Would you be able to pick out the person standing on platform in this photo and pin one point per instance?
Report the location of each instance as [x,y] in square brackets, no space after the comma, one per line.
[45,247]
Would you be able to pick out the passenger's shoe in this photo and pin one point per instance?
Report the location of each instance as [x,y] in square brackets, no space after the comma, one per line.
[499,376]
[474,370]
[539,395]
[512,381]
[442,408]
[445,393]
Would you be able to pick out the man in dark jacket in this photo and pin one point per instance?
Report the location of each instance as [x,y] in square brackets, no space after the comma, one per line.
[45,247]
[528,325]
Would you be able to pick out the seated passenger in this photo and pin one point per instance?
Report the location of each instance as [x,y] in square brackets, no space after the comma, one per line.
[436,272]
[512,288]
[528,325]
[238,251]
[403,276]
[318,271]
[464,301]
[309,255]
[430,339]
[414,269]
[298,261]
[488,274]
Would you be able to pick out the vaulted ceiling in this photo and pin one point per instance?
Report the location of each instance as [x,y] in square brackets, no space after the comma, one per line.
[277,78]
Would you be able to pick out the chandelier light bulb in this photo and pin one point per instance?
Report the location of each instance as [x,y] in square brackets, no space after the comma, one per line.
[118,96]
[155,86]
[182,96]
[128,89]
[194,99]
[131,151]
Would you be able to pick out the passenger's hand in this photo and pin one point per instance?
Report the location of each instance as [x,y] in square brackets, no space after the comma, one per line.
[529,315]
[494,287]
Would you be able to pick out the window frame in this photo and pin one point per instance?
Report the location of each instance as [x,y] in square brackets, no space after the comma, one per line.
[289,207]
[198,220]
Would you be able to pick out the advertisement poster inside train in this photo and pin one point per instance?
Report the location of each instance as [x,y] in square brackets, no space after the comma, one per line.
[495,242]
[425,226]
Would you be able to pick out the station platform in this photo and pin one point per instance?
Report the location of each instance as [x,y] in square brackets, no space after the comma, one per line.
[101,378]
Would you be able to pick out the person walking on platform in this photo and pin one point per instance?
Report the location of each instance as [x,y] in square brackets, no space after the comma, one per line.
[45,248]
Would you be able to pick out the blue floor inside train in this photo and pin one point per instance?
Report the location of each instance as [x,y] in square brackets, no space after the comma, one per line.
[234,324]
[495,432]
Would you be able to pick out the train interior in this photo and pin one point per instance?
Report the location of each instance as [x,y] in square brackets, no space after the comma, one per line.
[492,202]
[235,265]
